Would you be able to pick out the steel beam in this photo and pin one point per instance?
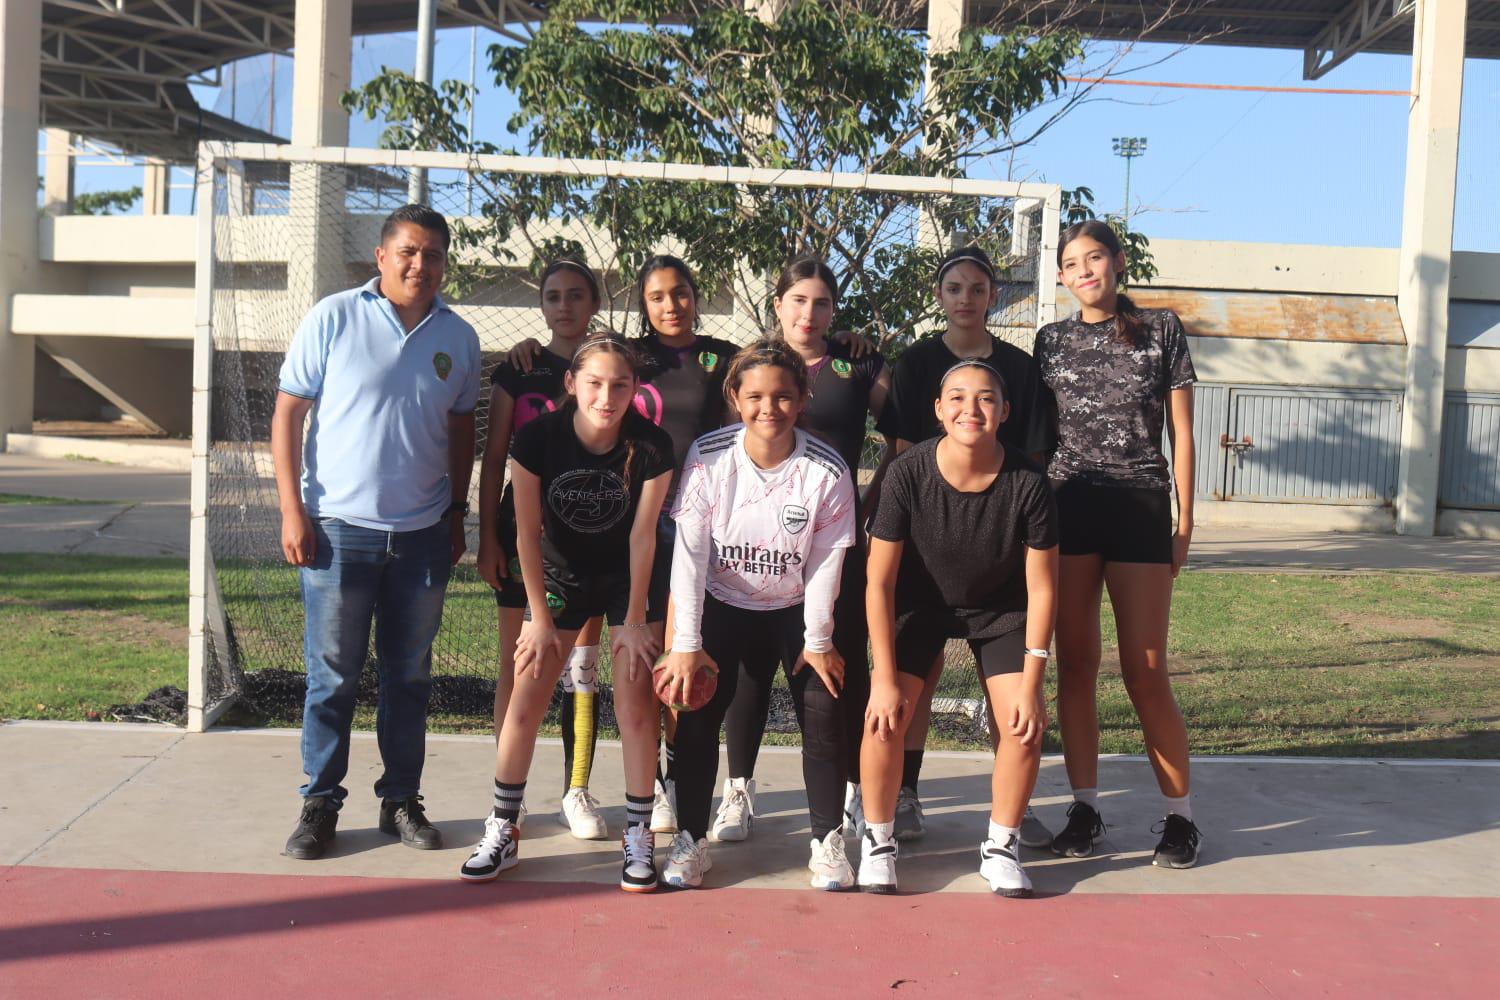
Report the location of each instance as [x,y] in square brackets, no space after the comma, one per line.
[1356,28]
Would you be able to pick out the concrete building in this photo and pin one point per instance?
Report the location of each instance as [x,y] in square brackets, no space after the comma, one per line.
[1342,387]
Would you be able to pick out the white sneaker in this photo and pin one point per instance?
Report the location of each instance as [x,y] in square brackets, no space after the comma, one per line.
[877,864]
[909,825]
[829,864]
[580,814]
[736,810]
[664,808]
[1033,832]
[1002,869]
[639,871]
[497,851]
[688,862]
[854,812]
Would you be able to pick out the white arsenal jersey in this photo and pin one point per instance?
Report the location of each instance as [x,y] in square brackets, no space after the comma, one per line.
[751,536]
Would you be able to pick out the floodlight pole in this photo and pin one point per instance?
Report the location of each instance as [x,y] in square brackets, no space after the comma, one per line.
[1128,147]
[416,184]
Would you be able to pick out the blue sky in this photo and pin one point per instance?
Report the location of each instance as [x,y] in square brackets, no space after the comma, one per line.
[1295,168]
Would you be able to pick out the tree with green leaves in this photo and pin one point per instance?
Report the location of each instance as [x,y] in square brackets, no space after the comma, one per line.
[827,85]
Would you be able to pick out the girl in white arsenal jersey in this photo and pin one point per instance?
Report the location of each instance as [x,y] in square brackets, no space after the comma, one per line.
[764,512]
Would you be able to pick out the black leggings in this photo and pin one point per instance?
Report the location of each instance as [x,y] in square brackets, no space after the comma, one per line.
[750,645]
[745,722]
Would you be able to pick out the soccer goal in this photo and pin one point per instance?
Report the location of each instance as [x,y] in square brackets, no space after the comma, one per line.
[280,227]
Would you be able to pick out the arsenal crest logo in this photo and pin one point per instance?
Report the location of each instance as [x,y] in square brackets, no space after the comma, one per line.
[794,518]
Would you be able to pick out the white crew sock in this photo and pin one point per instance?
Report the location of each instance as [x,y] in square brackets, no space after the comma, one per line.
[883,833]
[1003,835]
[1088,796]
[1181,807]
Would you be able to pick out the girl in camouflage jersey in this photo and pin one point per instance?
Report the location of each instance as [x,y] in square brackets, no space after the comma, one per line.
[1118,373]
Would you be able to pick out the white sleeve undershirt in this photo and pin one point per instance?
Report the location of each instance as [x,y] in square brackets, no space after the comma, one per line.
[820,588]
[690,555]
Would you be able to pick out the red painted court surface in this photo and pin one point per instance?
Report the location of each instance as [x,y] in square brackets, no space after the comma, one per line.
[101,933]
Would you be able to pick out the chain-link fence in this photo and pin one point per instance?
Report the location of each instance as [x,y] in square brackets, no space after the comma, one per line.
[288,231]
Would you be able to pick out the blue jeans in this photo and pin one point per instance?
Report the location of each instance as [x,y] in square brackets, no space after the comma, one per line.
[396,578]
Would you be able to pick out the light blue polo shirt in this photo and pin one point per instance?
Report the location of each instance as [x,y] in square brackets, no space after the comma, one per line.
[376,453]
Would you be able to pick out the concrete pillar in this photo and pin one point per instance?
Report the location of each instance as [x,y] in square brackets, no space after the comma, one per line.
[945,19]
[57,186]
[154,191]
[20,114]
[320,73]
[1427,253]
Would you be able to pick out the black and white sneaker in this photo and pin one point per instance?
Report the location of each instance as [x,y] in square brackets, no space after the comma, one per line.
[1085,826]
[1178,847]
[877,864]
[497,850]
[1000,867]
[639,871]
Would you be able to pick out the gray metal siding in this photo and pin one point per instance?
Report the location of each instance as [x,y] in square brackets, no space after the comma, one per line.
[1314,445]
[1471,451]
[1210,419]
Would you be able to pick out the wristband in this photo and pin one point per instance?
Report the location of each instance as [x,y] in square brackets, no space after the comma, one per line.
[459,507]
[1040,654]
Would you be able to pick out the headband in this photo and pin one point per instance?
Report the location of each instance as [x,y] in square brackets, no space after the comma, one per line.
[582,269]
[976,363]
[970,255]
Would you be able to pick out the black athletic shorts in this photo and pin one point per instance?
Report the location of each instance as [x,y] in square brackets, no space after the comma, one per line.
[512,592]
[1127,524]
[575,599]
[921,636]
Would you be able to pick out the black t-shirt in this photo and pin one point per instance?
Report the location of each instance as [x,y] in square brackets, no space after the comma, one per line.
[588,500]
[840,399]
[909,415]
[535,392]
[682,389]
[1111,397]
[965,553]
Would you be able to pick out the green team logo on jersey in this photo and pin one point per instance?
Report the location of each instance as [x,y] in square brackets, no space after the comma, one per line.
[442,364]
[555,603]
[709,360]
[842,368]
[515,569]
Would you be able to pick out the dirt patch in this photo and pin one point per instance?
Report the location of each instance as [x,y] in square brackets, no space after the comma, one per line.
[1410,628]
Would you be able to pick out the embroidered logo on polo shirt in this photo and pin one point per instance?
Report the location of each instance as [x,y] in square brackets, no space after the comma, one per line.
[709,360]
[794,518]
[842,368]
[442,364]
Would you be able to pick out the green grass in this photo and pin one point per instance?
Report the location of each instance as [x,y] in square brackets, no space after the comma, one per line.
[1350,665]
[27,500]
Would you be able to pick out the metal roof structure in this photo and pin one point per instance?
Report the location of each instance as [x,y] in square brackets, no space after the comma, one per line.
[118,71]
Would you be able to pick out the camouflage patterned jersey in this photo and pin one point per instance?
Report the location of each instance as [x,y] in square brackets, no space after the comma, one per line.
[1111,397]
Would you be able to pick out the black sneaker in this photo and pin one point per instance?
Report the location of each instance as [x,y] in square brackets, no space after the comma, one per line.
[405,818]
[1077,838]
[315,829]
[1178,847]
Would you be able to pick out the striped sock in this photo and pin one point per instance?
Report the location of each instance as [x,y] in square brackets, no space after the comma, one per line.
[637,810]
[508,800]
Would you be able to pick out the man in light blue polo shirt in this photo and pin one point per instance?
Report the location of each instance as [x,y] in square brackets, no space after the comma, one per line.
[372,511]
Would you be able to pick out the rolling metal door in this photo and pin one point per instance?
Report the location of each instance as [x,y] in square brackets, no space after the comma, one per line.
[1471,451]
[1313,446]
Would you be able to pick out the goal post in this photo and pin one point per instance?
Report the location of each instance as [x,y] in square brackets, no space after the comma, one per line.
[278,227]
